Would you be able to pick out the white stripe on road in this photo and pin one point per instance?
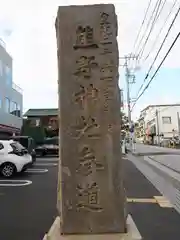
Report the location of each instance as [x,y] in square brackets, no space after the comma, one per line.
[36,170]
[45,164]
[14,183]
[47,159]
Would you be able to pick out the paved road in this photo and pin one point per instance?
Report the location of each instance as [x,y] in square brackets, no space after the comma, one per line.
[27,212]
[148,149]
[171,161]
[152,221]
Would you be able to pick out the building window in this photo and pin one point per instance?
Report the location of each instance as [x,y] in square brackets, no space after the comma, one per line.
[18,111]
[1,68]
[8,72]
[37,122]
[7,105]
[166,120]
[13,108]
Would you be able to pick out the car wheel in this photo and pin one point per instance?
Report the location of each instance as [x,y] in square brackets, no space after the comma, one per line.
[8,170]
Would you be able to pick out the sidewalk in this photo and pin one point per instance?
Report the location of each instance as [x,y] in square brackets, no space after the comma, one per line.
[153,221]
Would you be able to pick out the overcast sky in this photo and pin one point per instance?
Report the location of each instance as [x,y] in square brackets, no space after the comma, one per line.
[27,27]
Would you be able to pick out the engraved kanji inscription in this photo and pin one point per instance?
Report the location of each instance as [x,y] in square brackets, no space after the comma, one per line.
[88,198]
[86,94]
[105,29]
[85,38]
[88,161]
[107,70]
[85,65]
[108,94]
[87,126]
[105,50]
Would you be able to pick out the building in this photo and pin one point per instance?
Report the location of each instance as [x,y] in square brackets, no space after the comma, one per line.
[46,118]
[159,120]
[11,97]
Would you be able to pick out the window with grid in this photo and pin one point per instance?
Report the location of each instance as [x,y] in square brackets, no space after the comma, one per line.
[166,120]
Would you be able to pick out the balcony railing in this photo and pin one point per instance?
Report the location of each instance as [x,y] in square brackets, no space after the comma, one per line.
[17,88]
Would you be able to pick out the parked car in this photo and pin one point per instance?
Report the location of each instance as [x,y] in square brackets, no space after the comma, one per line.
[13,158]
[50,146]
[28,143]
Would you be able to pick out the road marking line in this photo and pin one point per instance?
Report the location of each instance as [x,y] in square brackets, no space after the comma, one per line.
[36,170]
[14,183]
[45,164]
[47,160]
[141,200]
[163,202]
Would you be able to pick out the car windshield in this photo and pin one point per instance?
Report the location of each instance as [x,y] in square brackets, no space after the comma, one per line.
[17,146]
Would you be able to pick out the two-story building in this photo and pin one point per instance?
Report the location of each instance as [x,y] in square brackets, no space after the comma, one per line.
[11,98]
[161,120]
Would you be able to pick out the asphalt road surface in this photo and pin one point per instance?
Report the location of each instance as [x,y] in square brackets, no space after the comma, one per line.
[153,222]
[28,202]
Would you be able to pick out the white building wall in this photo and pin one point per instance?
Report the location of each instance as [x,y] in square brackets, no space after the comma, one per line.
[167,112]
[167,128]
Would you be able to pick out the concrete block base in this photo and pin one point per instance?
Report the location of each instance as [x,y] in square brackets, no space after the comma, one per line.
[132,234]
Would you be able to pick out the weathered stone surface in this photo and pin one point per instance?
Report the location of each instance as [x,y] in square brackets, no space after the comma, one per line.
[90,194]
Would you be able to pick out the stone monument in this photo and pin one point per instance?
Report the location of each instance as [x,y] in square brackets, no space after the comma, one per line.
[91,196]
[92,193]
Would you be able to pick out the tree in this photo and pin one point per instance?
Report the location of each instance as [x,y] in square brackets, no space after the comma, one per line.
[124,121]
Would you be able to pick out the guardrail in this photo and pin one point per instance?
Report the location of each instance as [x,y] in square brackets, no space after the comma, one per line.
[17,88]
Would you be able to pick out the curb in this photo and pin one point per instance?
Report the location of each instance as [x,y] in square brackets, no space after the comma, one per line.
[164,173]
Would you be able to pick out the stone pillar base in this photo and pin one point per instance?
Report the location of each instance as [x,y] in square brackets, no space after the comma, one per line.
[132,234]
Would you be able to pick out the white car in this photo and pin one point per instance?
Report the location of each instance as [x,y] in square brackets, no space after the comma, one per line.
[13,158]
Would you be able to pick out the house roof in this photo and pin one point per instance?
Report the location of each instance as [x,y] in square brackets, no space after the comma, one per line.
[32,112]
[161,105]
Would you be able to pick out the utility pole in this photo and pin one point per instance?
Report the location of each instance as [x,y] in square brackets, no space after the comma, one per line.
[129,76]
[178,124]
[158,134]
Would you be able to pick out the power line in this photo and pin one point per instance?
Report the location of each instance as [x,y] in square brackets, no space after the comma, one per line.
[144,19]
[159,33]
[172,45]
[141,26]
[157,14]
[147,26]
[164,40]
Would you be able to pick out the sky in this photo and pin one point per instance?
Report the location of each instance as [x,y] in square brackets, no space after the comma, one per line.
[27,27]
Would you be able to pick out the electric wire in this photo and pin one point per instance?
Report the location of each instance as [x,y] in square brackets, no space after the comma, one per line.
[144,19]
[159,33]
[164,40]
[166,55]
[147,26]
[157,14]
